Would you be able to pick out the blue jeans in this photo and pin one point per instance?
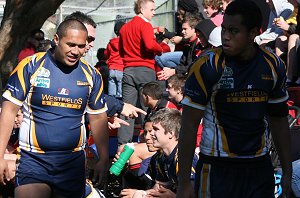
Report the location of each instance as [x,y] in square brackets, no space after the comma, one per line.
[115,83]
[169,59]
[295,178]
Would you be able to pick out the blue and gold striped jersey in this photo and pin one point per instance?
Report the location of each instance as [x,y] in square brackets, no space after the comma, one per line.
[234,97]
[54,98]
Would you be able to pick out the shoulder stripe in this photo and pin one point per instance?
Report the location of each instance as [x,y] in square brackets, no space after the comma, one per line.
[195,69]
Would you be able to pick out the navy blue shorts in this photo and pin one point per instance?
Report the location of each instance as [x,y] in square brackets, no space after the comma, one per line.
[64,171]
[247,178]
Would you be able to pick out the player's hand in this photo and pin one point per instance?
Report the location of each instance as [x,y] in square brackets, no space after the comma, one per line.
[100,173]
[281,23]
[127,193]
[4,173]
[161,192]
[115,122]
[131,111]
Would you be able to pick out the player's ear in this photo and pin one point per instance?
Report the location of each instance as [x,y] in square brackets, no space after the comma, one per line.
[56,39]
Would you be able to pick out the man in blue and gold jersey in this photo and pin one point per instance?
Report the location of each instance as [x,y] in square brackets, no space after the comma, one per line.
[239,91]
[54,90]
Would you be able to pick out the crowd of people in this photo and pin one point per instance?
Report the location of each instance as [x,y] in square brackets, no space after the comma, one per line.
[206,107]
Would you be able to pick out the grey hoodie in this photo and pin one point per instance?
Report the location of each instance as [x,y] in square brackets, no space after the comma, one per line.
[282,8]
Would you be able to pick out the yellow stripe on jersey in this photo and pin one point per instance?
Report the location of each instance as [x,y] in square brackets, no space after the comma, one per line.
[22,64]
[89,79]
[263,142]
[225,143]
[7,95]
[195,69]
[100,91]
[21,79]
[271,55]
[273,72]
[82,132]
[39,55]
[37,71]
[35,142]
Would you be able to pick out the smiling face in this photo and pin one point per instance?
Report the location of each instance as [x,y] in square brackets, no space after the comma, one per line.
[70,47]
[209,10]
[236,39]
[147,133]
[159,136]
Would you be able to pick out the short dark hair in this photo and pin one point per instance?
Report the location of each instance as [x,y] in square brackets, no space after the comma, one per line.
[250,12]
[152,89]
[33,32]
[101,54]
[83,18]
[69,24]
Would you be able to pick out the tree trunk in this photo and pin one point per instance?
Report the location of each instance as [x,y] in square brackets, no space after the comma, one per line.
[19,19]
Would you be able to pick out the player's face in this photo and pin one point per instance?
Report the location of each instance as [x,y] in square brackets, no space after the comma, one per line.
[147,133]
[188,32]
[91,37]
[71,47]
[159,137]
[236,39]
[148,10]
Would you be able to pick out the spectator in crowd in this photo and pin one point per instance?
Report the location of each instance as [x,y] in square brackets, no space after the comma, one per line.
[175,89]
[287,45]
[225,4]
[278,8]
[138,49]
[44,45]
[152,97]
[134,177]
[166,126]
[115,64]
[102,67]
[172,59]
[213,10]
[203,31]
[191,50]
[32,44]
[55,135]
[234,88]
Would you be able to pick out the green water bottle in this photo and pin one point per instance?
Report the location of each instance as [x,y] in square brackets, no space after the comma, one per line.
[118,166]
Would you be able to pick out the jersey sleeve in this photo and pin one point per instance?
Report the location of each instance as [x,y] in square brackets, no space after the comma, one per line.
[279,93]
[18,84]
[203,75]
[96,103]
